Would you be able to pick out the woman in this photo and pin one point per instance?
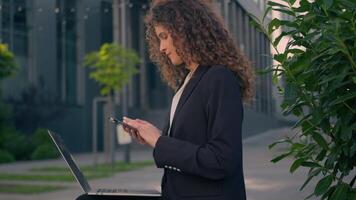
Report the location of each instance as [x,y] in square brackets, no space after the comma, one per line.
[200,149]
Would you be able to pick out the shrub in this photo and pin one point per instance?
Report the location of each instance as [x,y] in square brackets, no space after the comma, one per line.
[45,148]
[319,63]
[40,137]
[6,157]
[45,151]
[16,143]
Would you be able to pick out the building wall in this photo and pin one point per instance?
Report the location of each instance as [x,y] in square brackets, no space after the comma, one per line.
[56,35]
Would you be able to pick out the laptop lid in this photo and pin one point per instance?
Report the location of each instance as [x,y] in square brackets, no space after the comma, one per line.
[70,161]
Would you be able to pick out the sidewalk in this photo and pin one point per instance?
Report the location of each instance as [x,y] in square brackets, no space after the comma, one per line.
[264,180]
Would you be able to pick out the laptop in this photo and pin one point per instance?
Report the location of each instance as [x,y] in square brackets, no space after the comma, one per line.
[67,156]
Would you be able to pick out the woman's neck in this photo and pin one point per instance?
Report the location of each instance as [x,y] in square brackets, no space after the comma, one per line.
[192,66]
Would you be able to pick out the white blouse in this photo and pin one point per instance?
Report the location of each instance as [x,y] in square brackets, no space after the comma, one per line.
[175,100]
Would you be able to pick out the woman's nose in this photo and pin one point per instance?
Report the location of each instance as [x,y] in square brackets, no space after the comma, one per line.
[162,48]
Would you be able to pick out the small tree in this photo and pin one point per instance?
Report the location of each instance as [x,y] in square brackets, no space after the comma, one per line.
[8,66]
[113,67]
[319,64]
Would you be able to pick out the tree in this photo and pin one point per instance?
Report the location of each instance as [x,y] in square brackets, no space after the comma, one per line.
[8,66]
[113,66]
[319,64]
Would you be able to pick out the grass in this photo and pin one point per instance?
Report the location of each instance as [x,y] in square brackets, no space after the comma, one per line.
[27,189]
[61,174]
[105,168]
[64,174]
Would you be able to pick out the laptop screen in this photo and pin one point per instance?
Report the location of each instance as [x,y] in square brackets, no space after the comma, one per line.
[70,161]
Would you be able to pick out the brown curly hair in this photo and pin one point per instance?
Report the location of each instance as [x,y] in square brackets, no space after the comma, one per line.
[198,34]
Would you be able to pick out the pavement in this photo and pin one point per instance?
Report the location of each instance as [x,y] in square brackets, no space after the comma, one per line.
[264,180]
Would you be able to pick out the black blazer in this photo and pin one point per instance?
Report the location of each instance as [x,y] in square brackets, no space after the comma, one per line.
[202,156]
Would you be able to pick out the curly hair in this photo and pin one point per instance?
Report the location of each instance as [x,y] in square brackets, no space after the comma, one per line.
[199,35]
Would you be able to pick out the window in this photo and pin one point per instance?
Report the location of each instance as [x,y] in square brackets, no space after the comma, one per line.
[67,49]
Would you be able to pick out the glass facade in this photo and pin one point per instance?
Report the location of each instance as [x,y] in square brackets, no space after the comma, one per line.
[52,38]
[67,48]
[14,29]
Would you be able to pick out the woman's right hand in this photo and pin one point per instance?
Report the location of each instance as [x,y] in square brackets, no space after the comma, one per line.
[147,132]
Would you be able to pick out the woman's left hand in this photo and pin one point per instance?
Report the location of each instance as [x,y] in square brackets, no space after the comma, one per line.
[148,132]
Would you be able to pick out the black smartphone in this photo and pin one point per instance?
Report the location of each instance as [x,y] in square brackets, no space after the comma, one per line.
[124,125]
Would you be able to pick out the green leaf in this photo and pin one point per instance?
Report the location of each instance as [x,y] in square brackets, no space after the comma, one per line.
[295,51]
[280,57]
[344,98]
[323,185]
[287,140]
[296,164]
[346,134]
[297,146]
[256,25]
[273,25]
[292,2]
[353,150]
[328,3]
[354,79]
[340,192]
[304,6]
[280,157]
[320,140]
[348,3]
[283,34]
[310,164]
[268,10]
[321,155]
[329,192]
[306,182]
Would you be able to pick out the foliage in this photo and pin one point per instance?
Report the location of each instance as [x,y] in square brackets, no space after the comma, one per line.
[45,148]
[8,66]
[6,157]
[45,151]
[18,146]
[16,143]
[319,65]
[113,66]
[34,107]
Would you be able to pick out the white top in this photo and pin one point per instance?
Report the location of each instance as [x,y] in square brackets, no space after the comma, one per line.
[175,100]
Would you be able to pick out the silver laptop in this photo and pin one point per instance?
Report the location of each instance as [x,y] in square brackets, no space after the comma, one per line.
[84,183]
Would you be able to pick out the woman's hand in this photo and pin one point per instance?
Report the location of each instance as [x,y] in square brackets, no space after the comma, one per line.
[148,133]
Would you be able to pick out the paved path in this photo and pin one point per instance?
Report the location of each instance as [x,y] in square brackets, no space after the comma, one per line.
[264,180]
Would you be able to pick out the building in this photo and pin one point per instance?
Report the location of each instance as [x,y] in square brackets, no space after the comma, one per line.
[51,38]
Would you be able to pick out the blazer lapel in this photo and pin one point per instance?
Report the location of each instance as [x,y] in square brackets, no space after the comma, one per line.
[193,82]
[166,126]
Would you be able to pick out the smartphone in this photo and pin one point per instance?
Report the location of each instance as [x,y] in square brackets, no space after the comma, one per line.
[124,125]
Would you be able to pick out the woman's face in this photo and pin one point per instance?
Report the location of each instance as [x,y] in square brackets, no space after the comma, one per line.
[166,45]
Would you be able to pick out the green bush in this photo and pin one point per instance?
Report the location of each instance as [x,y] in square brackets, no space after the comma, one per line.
[319,63]
[16,143]
[45,151]
[41,137]
[45,148]
[6,157]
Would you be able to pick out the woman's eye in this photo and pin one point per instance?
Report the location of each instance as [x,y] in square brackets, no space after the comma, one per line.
[163,36]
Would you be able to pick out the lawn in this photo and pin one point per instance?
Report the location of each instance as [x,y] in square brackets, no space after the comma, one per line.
[62,174]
